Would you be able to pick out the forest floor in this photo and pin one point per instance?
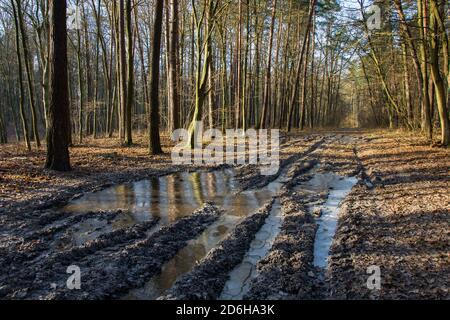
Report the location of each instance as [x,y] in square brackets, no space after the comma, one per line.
[397,217]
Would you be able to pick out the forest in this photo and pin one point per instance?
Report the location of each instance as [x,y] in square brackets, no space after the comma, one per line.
[93,91]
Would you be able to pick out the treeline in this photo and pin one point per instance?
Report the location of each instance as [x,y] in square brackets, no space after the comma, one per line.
[153,65]
[247,63]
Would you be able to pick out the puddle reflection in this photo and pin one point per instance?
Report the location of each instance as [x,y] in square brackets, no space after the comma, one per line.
[171,198]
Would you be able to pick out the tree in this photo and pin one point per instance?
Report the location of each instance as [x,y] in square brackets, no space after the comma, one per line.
[203,61]
[438,80]
[22,91]
[81,93]
[59,115]
[422,19]
[173,61]
[29,73]
[122,72]
[262,121]
[130,76]
[154,137]
[3,130]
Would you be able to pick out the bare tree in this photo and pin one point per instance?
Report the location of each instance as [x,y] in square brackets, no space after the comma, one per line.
[154,137]
[59,116]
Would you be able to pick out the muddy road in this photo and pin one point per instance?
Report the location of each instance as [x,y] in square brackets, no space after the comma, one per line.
[342,202]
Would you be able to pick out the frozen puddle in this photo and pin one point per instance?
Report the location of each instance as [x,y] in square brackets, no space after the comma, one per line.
[241,277]
[339,188]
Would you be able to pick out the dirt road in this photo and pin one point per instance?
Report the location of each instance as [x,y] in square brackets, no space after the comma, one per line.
[258,231]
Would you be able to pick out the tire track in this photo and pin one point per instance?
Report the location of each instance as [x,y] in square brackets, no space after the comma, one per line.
[111,271]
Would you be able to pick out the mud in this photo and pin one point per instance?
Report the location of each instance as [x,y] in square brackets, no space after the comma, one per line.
[236,205]
[249,177]
[206,281]
[288,271]
[396,217]
[110,265]
[284,271]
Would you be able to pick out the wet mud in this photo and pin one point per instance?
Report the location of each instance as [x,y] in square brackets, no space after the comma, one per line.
[231,233]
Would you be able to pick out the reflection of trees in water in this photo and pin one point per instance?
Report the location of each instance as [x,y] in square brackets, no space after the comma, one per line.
[179,265]
[197,188]
[171,199]
[155,208]
[211,183]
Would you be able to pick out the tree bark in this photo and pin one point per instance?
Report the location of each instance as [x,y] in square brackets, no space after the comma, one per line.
[299,66]
[21,89]
[122,69]
[173,66]
[426,108]
[262,121]
[130,76]
[59,114]
[29,72]
[154,137]
[439,81]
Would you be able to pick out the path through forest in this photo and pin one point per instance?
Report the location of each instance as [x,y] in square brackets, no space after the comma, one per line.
[140,228]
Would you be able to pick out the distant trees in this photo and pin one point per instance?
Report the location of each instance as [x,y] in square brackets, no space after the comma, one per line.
[58,113]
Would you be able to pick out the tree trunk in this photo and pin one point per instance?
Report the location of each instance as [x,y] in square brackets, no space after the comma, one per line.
[80,87]
[122,74]
[299,66]
[406,88]
[426,109]
[262,121]
[439,81]
[211,89]
[130,75]
[305,74]
[201,78]
[3,130]
[59,114]
[29,72]
[22,93]
[155,140]
[173,66]
[244,71]
[239,68]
